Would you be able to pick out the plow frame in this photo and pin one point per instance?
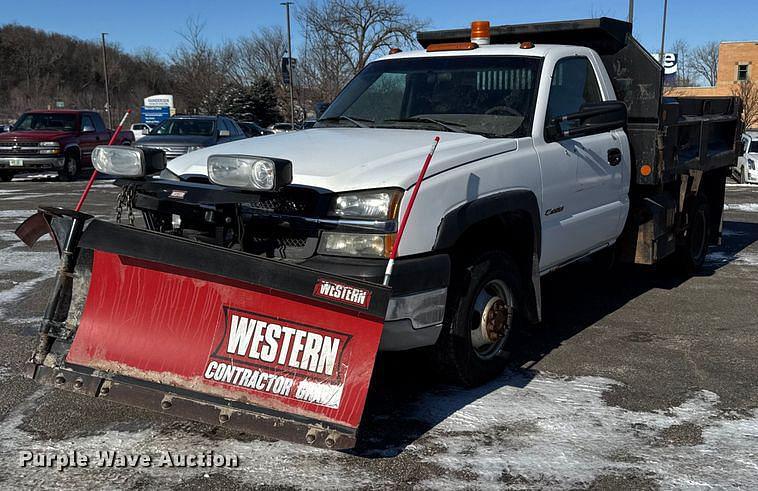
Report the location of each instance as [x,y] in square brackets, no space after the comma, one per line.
[78,236]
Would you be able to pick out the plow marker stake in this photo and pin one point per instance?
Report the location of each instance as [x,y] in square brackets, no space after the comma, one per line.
[404,220]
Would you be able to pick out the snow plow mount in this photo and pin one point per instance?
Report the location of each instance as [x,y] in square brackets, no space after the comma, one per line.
[206,333]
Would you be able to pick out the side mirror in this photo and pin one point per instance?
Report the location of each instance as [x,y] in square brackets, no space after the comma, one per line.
[223,133]
[591,119]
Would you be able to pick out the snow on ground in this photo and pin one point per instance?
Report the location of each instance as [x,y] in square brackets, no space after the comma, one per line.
[748,207]
[524,428]
[17,257]
[559,431]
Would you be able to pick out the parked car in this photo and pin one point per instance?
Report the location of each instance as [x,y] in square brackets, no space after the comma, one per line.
[59,140]
[183,134]
[282,127]
[252,129]
[4,128]
[745,171]
[140,130]
[308,123]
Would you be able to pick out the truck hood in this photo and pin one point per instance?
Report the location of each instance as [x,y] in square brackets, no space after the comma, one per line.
[34,135]
[344,159]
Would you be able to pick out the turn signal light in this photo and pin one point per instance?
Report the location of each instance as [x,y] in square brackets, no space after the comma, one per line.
[451,47]
[646,170]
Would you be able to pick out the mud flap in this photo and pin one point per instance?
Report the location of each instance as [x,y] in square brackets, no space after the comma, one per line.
[217,336]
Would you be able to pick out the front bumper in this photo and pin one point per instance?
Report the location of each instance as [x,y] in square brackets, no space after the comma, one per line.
[30,163]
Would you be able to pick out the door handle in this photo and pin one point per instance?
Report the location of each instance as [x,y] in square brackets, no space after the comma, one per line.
[614,156]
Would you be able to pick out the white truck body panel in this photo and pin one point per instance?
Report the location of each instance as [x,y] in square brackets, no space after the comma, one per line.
[583,200]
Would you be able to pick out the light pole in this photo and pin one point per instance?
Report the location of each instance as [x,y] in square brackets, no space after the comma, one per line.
[105,75]
[630,17]
[289,64]
[663,32]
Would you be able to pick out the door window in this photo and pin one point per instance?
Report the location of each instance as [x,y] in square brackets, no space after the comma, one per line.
[574,84]
[99,125]
[87,124]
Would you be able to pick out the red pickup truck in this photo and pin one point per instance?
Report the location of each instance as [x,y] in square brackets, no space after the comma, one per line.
[59,140]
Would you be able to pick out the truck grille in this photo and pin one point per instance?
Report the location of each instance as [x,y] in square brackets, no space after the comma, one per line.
[19,148]
[171,152]
[283,205]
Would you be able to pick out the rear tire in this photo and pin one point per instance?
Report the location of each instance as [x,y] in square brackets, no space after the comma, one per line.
[6,176]
[481,316]
[70,168]
[693,244]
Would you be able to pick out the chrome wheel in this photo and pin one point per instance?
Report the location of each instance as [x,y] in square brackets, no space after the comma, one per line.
[491,319]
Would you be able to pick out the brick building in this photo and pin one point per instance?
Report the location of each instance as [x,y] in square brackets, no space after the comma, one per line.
[738,62]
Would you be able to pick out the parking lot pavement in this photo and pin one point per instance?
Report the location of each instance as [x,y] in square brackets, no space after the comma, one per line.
[634,380]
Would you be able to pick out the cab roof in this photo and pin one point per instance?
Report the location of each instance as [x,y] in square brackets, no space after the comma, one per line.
[604,35]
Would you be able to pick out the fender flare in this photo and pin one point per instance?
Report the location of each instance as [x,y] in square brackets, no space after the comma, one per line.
[524,201]
[75,147]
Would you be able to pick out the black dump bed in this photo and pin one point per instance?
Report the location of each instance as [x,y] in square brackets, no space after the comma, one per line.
[671,134]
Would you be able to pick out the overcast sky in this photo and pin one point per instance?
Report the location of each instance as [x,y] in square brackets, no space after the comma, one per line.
[155,23]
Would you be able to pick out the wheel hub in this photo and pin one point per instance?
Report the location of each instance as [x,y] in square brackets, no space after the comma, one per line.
[491,320]
[494,319]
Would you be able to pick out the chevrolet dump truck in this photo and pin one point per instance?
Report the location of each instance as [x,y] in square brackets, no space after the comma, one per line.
[57,140]
[253,295]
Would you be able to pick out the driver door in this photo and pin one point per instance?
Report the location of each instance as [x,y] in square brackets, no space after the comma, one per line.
[580,186]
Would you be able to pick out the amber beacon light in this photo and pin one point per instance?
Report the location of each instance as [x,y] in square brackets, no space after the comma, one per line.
[480,32]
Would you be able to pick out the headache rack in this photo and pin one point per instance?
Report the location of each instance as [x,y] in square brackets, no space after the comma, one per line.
[671,135]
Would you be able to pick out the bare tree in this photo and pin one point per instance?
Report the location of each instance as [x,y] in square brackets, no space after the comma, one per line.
[198,70]
[748,92]
[685,74]
[705,62]
[260,55]
[358,29]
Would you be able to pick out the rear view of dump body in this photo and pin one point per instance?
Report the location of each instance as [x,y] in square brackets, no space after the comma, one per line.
[206,333]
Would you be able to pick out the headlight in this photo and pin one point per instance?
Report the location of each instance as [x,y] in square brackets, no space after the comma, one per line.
[119,161]
[379,204]
[192,148]
[50,147]
[241,171]
[361,245]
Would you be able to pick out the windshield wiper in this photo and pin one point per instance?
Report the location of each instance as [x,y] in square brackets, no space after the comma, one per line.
[355,120]
[447,125]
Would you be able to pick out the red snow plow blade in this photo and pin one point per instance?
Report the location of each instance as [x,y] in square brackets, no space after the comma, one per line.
[211,334]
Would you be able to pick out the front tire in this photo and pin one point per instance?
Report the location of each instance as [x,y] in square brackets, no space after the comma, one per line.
[484,309]
[70,168]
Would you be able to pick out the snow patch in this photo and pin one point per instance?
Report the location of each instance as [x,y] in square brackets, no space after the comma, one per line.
[572,437]
[742,258]
[748,207]
[17,213]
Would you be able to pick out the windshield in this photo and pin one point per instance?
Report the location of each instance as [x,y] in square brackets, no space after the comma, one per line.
[185,127]
[46,122]
[489,95]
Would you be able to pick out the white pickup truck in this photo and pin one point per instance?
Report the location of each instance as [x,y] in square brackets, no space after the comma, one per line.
[254,295]
[555,143]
